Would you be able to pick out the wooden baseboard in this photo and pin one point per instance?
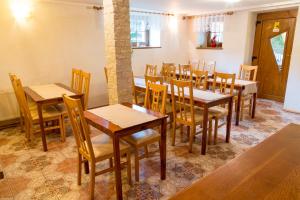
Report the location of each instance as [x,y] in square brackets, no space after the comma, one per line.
[9,123]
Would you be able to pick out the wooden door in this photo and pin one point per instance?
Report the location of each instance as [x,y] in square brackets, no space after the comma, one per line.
[272,50]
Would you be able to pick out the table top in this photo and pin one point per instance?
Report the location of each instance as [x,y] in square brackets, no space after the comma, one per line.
[200,96]
[47,92]
[113,122]
[238,82]
[270,170]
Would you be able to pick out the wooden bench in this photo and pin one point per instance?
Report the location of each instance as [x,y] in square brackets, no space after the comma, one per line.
[270,170]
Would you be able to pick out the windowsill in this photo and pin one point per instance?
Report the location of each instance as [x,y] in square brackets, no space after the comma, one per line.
[210,48]
[146,47]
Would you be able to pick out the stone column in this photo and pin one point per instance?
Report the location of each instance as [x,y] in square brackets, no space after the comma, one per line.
[118,50]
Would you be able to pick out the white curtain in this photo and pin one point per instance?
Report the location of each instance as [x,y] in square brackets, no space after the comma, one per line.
[213,23]
[144,21]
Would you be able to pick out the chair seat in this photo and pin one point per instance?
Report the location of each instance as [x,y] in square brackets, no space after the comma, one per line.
[143,137]
[48,112]
[103,147]
[218,111]
[198,116]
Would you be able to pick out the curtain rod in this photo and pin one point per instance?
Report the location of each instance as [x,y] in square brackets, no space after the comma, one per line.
[98,8]
[205,15]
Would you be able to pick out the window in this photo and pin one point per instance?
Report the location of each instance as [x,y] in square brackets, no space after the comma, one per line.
[278,46]
[209,31]
[145,30]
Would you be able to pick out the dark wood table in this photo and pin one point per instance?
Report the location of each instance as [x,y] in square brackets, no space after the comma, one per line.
[41,101]
[201,99]
[271,170]
[241,88]
[116,132]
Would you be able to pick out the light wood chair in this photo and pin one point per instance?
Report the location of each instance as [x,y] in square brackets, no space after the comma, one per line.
[154,79]
[195,64]
[201,78]
[76,79]
[226,86]
[150,70]
[144,138]
[85,87]
[168,72]
[185,72]
[209,66]
[248,73]
[184,110]
[31,118]
[93,150]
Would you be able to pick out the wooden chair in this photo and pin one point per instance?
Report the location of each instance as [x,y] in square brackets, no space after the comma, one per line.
[248,73]
[149,136]
[226,86]
[150,70]
[93,150]
[209,66]
[85,87]
[195,64]
[154,79]
[201,78]
[31,118]
[168,72]
[185,72]
[76,79]
[184,111]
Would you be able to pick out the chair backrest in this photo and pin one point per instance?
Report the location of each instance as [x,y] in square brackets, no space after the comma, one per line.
[80,128]
[248,73]
[106,74]
[195,64]
[223,83]
[85,87]
[209,66]
[13,79]
[183,101]
[76,80]
[168,71]
[185,72]
[201,78]
[154,79]
[150,70]
[155,98]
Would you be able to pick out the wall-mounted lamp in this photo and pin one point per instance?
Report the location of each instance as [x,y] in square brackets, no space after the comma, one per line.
[173,23]
[21,9]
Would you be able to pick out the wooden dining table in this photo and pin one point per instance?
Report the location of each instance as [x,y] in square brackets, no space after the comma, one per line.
[121,120]
[243,87]
[270,170]
[49,94]
[203,99]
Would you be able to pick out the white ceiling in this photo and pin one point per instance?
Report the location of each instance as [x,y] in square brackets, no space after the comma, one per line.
[196,6]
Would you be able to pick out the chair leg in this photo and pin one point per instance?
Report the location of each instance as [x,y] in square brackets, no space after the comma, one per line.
[62,129]
[210,132]
[146,151]
[137,166]
[79,169]
[242,109]
[22,124]
[250,106]
[193,130]
[173,133]
[129,168]
[216,130]
[111,164]
[181,133]
[92,181]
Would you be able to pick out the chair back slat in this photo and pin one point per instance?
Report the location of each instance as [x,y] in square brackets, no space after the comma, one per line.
[150,70]
[201,78]
[223,83]
[79,125]
[85,87]
[155,98]
[195,64]
[185,72]
[248,73]
[168,71]
[209,66]
[154,79]
[76,80]
[183,101]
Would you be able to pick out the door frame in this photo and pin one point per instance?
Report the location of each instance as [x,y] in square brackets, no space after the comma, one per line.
[286,14]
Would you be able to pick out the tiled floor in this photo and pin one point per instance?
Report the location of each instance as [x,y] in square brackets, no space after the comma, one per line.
[31,173]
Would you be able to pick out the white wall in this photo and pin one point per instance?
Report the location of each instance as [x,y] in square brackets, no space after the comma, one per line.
[239,30]
[58,37]
[292,98]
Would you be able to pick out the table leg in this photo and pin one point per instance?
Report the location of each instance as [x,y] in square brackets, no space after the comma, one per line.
[254,104]
[204,134]
[229,117]
[238,110]
[86,167]
[117,156]
[41,120]
[163,149]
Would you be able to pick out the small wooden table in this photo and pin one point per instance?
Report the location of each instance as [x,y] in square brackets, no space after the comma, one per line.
[241,86]
[54,98]
[271,170]
[116,132]
[204,99]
